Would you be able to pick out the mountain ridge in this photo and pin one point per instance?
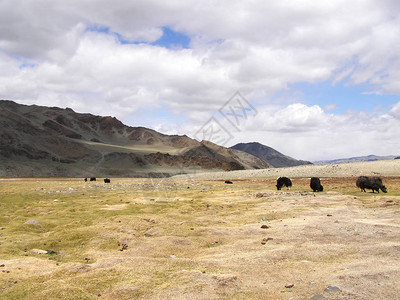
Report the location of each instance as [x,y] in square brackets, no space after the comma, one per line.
[38,141]
[272,156]
[370,157]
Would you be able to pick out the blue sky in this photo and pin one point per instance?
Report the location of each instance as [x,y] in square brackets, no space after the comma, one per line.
[172,39]
[343,97]
[319,74]
[169,38]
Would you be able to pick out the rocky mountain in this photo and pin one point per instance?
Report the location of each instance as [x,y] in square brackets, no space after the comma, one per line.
[273,157]
[37,141]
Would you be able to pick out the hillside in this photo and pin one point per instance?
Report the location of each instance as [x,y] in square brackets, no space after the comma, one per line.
[38,141]
[273,157]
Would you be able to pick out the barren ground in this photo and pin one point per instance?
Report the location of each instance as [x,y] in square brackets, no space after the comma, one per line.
[197,238]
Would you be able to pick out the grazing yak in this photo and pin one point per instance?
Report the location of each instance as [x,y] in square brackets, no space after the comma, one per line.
[228,182]
[283,181]
[107,180]
[373,183]
[92,178]
[315,184]
[85,179]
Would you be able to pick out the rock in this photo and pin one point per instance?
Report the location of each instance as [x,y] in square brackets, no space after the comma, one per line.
[289,286]
[38,251]
[32,222]
[332,289]
[317,297]
[265,240]
[264,226]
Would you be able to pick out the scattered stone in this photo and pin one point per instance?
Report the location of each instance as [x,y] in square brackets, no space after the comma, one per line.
[317,297]
[265,240]
[172,256]
[332,289]
[2,266]
[32,222]
[123,247]
[260,195]
[289,286]
[329,215]
[264,226]
[38,251]
[147,235]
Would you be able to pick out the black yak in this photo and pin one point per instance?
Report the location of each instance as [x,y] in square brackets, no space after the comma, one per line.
[315,184]
[283,181]
[107,180]
[228,182]
[92,178]
[85,179]
[373,183]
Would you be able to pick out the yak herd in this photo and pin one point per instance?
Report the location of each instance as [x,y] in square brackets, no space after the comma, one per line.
[363,182]
[106,180]
[373,183]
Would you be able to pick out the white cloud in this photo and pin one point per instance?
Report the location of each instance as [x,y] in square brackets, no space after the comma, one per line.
[70,54]
[395,111]
[308,132]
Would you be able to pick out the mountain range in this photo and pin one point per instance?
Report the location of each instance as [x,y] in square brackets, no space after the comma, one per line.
[38,141]
[273,157]
[357,159]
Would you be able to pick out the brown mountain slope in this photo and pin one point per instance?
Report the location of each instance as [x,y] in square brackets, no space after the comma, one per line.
[275,158]
[50,141]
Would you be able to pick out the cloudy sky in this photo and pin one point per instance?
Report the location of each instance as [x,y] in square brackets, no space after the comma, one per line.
[316,79]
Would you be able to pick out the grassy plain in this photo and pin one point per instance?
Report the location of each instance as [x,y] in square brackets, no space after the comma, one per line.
[187,239]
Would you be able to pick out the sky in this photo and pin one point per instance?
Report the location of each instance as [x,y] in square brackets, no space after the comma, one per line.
[315,80]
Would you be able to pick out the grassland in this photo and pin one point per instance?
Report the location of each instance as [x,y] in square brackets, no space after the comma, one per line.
[187,239]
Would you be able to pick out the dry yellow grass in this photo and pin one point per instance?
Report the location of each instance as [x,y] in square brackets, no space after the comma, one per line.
[189,239]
